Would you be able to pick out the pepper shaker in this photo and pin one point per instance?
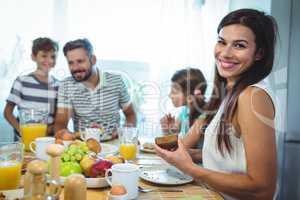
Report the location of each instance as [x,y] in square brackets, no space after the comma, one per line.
[55,151]
[75,187]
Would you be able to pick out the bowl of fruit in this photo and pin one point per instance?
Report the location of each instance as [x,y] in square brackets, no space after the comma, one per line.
[82,157]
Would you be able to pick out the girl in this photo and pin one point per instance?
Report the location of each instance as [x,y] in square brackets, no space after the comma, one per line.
[239,152]
[187,90]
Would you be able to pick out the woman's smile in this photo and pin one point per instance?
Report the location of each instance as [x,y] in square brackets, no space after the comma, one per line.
[227,65]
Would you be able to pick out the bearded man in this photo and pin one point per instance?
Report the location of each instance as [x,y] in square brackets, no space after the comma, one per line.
[91,97]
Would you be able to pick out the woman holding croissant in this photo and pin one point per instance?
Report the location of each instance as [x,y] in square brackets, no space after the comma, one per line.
[239,152]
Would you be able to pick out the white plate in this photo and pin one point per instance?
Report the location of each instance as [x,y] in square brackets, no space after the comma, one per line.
[91,182]
[167,176]
[146,150]
[13,194]
[107,149]
[103,137]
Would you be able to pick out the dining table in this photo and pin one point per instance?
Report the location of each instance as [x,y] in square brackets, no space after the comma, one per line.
[194,190]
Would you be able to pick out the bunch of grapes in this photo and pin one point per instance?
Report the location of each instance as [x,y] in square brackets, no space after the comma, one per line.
[75,152]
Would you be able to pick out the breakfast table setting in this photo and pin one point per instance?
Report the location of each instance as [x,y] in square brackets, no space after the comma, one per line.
[154,190]
[123,168]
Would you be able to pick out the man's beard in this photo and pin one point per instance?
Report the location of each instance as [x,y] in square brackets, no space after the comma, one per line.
[86,77]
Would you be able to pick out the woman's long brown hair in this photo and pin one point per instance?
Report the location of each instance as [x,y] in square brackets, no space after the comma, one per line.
[264,28]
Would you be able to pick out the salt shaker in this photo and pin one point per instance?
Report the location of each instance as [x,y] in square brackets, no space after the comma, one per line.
[37,179]
[54,151]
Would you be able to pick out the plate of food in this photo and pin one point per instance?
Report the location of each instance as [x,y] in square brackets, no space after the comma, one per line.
[97,132]
[89,158]
[167,176]
[12,194]
[147,147]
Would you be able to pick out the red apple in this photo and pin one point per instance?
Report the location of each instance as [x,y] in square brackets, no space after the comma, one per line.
[99,168]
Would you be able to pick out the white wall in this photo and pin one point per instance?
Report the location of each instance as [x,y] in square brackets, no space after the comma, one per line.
[287,14]
[264,5]
[281,10]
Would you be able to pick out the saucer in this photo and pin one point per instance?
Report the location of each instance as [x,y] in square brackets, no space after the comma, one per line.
[13,194]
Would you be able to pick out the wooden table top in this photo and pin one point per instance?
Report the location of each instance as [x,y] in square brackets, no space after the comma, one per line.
[191,191]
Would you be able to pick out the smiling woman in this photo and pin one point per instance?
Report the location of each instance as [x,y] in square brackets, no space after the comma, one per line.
[239,151]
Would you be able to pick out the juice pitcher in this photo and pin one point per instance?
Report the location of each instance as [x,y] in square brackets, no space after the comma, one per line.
[33,124]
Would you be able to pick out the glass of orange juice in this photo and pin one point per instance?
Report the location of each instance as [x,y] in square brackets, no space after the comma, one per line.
[11,158]
[33,124]
[128,143]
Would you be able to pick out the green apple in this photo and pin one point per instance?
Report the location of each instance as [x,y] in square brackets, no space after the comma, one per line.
[68,168]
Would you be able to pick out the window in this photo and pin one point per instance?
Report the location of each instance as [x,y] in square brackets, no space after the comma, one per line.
[146,40]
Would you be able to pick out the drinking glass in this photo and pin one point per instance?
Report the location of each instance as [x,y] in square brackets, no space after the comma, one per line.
[11,158]
[33,124]
[128,143]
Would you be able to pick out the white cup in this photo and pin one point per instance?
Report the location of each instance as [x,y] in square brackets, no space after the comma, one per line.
[41,144]
[125,174]
[91,133]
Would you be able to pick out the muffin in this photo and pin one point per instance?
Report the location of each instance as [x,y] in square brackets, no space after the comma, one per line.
[93,145]
[168,142]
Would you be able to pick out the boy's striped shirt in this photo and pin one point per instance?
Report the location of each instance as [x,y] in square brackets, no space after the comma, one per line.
[28,92]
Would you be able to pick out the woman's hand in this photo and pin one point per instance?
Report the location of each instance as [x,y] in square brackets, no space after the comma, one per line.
[179,158]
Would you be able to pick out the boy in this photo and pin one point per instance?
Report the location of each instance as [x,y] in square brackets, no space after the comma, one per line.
[37,89]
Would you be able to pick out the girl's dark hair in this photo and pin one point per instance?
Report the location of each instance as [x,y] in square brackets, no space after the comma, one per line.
[264,28]
[189,80]
[43,44]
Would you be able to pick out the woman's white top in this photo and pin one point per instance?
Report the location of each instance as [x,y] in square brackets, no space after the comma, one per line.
[213,159]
